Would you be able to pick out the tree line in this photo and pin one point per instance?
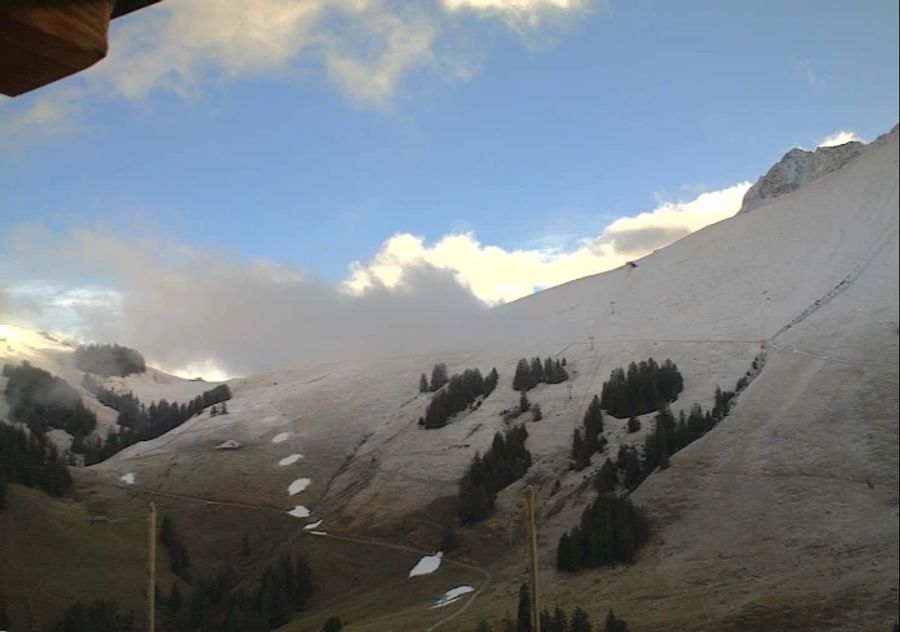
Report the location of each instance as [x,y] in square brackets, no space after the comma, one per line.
[461,391]
[222,604]
[214,604]
[643,388]
[506,461]
[439,377]
[555,621]
[30,459]
[610,531]
[108,360]
[530,374]
[41,400]
[589,438]
[179,560]
[140,423]
[669,435]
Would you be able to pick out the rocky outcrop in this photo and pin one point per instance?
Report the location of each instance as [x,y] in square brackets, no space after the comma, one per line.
[796,168]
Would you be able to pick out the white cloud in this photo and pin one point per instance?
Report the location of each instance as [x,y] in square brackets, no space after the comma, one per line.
[195,311]
[365,47]
[520,15]
[498,275]
[839,138]
[54,111]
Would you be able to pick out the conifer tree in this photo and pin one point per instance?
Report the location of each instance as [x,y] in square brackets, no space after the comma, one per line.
[174,602]
[438,376]
[606,478]
[614,623]
[524,404]
[333,624]
[580,621]
[568,554]
[523,380]
[634,424]
[423,383]
[490,382]
[523,611]
[449,540]
[559,622]
[593,426]
[536,368]
[578,451]
[536,413]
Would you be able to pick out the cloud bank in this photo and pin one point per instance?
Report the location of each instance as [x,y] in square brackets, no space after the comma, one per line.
[206,312]
[497,275]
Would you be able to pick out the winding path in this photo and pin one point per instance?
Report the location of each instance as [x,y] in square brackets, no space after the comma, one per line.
[486,574]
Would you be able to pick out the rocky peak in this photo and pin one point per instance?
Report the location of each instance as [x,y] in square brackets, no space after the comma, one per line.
[796,168]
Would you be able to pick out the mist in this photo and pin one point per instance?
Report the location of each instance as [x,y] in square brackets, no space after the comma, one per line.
[183,306]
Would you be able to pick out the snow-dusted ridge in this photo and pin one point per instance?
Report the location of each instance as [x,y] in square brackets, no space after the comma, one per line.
[799,167]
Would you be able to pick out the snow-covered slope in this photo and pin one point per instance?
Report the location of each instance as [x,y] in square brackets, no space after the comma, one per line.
[49,352]
[790,503]
[709,302]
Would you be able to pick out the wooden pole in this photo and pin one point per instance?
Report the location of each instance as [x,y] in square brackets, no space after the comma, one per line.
[151,567]
[530,503]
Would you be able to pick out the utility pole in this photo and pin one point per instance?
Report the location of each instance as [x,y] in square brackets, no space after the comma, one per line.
[612,304]
[532,547]
[151,567]
[592,342]
[569,386]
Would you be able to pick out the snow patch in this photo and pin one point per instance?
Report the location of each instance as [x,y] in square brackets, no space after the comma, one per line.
[452,595]
[230,444]
[281,437]
[298,486]
[319,532]
[128,479]
[299,512]
[427,565]
[313,525]
[290,460]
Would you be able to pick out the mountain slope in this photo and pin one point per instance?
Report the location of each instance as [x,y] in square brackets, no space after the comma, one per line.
[783,517]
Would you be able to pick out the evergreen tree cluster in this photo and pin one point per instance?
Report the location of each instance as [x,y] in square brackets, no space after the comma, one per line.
[218,604]
[142,423]
[611,530]
[438,378]
[671,435]
[506,461]
[179,560]
[555,621]
[643,388]
[108,360]
[530,374]
[100,616]
[41,400]
[589,440]
[462,390]
[30,459]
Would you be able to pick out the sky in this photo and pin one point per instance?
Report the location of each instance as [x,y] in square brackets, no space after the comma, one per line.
[330,157]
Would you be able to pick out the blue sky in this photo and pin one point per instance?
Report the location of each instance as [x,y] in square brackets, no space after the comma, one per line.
[530,125]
